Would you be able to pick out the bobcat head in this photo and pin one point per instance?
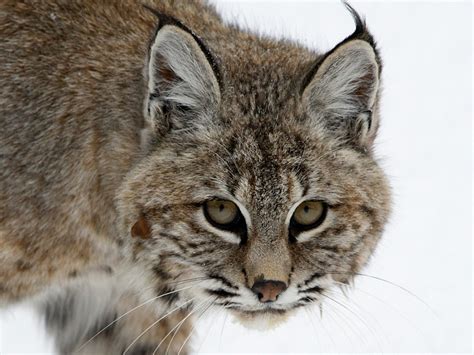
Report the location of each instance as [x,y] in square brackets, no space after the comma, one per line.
[260,190]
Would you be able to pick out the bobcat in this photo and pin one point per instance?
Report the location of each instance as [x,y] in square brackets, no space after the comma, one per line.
[157,163]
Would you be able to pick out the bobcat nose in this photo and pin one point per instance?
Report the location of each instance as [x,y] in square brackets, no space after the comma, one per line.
[268,290]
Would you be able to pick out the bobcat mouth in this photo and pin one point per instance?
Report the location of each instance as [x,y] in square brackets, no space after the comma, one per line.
[265,311]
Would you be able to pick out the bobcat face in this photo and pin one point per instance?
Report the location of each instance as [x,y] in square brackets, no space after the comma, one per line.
[255,201]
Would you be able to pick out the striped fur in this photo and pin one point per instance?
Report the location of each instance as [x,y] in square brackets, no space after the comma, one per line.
[104,124]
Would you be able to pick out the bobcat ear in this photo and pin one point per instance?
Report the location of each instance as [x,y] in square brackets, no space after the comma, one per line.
[182,77]
[340,92]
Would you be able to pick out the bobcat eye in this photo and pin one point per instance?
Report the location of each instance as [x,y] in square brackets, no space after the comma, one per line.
[226,215]
[221,213]
[308,215]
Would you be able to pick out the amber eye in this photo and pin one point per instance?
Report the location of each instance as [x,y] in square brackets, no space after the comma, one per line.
[308,215]
[226,215]
[221,212]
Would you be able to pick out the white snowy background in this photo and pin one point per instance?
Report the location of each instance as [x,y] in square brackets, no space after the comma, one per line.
[425,146]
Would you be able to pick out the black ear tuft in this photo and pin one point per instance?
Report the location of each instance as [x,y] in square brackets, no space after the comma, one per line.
[361,31]
[340,90]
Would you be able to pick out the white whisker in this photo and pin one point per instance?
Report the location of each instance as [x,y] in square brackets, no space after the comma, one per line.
[192,329]
[362,320]
[326,331]
[377,278]
[207,333]
[222,329]
[365,311]
[155,323]
[130,311]
[308,315]
[342,328]
[398,312]
[179,324]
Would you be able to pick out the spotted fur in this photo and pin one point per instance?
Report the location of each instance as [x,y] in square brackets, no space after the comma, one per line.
[114,112]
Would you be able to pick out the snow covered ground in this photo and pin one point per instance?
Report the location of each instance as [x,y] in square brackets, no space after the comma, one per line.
[425,146]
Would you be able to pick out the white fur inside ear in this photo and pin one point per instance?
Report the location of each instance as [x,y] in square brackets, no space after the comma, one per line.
[179,73]
[346,83]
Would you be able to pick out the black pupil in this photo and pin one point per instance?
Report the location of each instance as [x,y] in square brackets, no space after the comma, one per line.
[306,209]
[221,207]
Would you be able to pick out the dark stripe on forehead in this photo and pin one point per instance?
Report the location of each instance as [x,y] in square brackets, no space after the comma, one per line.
[233,172]
[233,178]
[301,172]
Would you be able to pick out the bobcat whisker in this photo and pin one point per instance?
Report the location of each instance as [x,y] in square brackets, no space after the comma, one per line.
[155,323]
[130,311]
[353,324]
[222,329]
[208,330]
[192,330]
[341,328]
[328,334]
[310,319]
[362,320]
[343,289]
[180,324]
[177,326]
[411,293]
[377,324]
[395,285]
[393,308]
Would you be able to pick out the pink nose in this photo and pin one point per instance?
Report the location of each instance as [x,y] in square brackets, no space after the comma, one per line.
[268,290]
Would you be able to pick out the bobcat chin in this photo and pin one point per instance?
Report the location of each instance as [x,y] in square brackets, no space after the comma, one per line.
[262,320]
[159,163]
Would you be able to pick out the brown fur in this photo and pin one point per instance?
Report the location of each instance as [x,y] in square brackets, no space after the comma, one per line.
[76,176]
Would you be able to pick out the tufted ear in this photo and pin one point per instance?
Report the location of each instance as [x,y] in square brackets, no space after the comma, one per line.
[340,91]
[182,77]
